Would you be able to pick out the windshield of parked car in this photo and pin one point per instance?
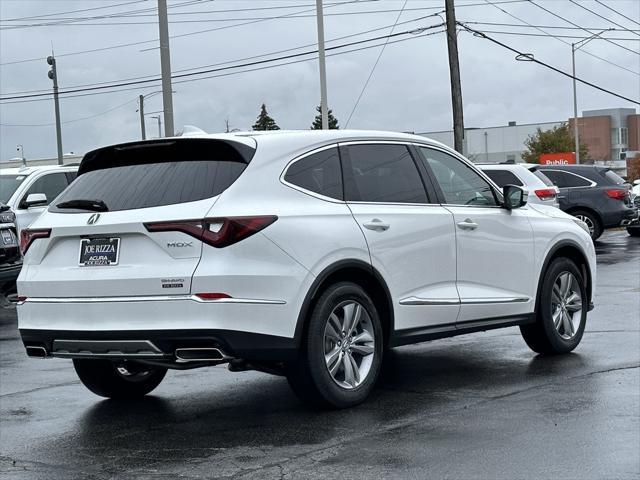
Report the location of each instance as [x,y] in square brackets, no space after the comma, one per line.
[8,185]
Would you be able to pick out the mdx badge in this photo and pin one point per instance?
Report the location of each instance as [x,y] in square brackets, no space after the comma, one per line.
[180,244]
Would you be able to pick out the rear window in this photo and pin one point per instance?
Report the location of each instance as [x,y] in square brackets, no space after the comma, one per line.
[152,175]
[542,177]
[319,172]
[503,177]
[614,177]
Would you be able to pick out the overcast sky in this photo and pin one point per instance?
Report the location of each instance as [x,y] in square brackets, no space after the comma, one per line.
[409,89]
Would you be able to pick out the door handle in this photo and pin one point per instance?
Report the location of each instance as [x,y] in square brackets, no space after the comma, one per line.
[376,225]
[467,225]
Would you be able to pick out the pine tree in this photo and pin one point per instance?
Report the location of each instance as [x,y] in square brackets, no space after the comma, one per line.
[317,122]
[264,121]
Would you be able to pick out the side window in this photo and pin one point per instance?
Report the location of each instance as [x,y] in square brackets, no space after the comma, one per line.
[51,185]
[382,173]
[503,177]
[319,173]
[565,179]
[459,183]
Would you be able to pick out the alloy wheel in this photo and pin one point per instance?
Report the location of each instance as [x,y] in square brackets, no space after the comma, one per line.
[349,344]
[566,305]
[589,222]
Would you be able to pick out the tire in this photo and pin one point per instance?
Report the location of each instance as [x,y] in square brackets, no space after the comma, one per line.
[634,231]
[545,335]
[108,379]
[354,358]
[592,220]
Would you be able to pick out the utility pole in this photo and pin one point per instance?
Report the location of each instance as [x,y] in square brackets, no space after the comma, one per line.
[53,75]
[324,110]
[142,128]
[454,73]
[165,63]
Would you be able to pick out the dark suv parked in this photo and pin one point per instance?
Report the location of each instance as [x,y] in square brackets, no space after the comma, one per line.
[596,195]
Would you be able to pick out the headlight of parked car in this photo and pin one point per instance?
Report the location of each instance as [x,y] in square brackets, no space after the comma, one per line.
[7,217]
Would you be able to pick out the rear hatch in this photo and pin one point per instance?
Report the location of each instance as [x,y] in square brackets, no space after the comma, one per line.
[99,238]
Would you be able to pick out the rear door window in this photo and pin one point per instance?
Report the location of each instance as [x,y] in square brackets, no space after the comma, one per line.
[503,177]
[566,179]
[381,173]
[319,172]
[50,184]
[150,176]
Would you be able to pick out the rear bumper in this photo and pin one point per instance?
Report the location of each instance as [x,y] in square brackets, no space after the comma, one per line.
[162,343]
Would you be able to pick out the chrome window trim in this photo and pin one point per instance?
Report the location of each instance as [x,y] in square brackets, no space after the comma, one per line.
[592,183]
[150,298]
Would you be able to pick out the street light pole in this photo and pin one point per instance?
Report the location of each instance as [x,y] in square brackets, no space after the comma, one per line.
[158,117]
[576,46]
[324,111]
[53,75]
[20,148]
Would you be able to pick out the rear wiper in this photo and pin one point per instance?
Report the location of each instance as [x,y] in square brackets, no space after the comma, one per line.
[94,205]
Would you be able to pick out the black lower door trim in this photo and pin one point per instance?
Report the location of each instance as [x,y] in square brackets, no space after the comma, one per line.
[423,334]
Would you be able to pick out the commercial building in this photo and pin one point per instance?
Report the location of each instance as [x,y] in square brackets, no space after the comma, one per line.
[610,135]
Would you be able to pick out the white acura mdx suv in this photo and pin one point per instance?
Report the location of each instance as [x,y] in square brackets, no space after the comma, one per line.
[305,254]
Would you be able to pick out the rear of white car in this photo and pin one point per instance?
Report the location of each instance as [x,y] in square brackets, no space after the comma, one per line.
[138,250]
[538,187]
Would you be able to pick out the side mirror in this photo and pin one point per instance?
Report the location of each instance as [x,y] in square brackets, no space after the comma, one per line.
[514,197]
[36,200]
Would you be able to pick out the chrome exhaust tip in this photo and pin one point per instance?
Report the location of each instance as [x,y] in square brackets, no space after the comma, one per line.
[36,351]
[184,355]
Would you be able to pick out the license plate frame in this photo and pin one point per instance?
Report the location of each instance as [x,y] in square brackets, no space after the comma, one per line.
[99,257]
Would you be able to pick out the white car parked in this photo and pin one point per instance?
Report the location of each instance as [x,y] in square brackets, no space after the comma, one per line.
[305,254]
[28,190]
[538,187]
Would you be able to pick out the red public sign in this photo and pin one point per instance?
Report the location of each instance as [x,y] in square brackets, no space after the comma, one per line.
[563,158]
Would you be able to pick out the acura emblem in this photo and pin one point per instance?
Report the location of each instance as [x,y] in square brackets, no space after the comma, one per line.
[93,219]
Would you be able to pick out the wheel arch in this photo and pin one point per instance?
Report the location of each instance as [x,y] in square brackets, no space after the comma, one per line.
[360,273]
[571,250]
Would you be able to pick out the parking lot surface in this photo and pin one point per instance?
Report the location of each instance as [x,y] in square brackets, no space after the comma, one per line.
[480,406]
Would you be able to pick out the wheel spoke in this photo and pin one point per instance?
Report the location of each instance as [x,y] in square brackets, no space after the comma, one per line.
[347,319]
[363,337]
[333,368]
[556,294]
[564,285]
[362,349]
[574,303]
[557,317]
[355,320]
[331,332]
[330,358]
[356,370]
[567,324]
[334,321]
[349,374]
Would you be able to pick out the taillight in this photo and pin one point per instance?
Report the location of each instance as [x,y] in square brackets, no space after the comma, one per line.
[27,236]
[217,232]
[545,193]
[617,193]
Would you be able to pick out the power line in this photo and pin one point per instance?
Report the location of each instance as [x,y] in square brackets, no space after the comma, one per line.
[74,11]
[264,67]
[600,16]
[529,34]
[529,25]
[494,4]
[202,72]
[70,121]
[531,58]
[615,11]
[373,68]
[144,42]
[586,30]
[228,62]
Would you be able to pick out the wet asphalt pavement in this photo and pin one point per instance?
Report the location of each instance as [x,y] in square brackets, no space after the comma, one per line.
[479,406]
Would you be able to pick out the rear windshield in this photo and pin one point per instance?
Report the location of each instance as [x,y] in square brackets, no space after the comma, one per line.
[542,177]
[143,178]
[614,177]
[8,185]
